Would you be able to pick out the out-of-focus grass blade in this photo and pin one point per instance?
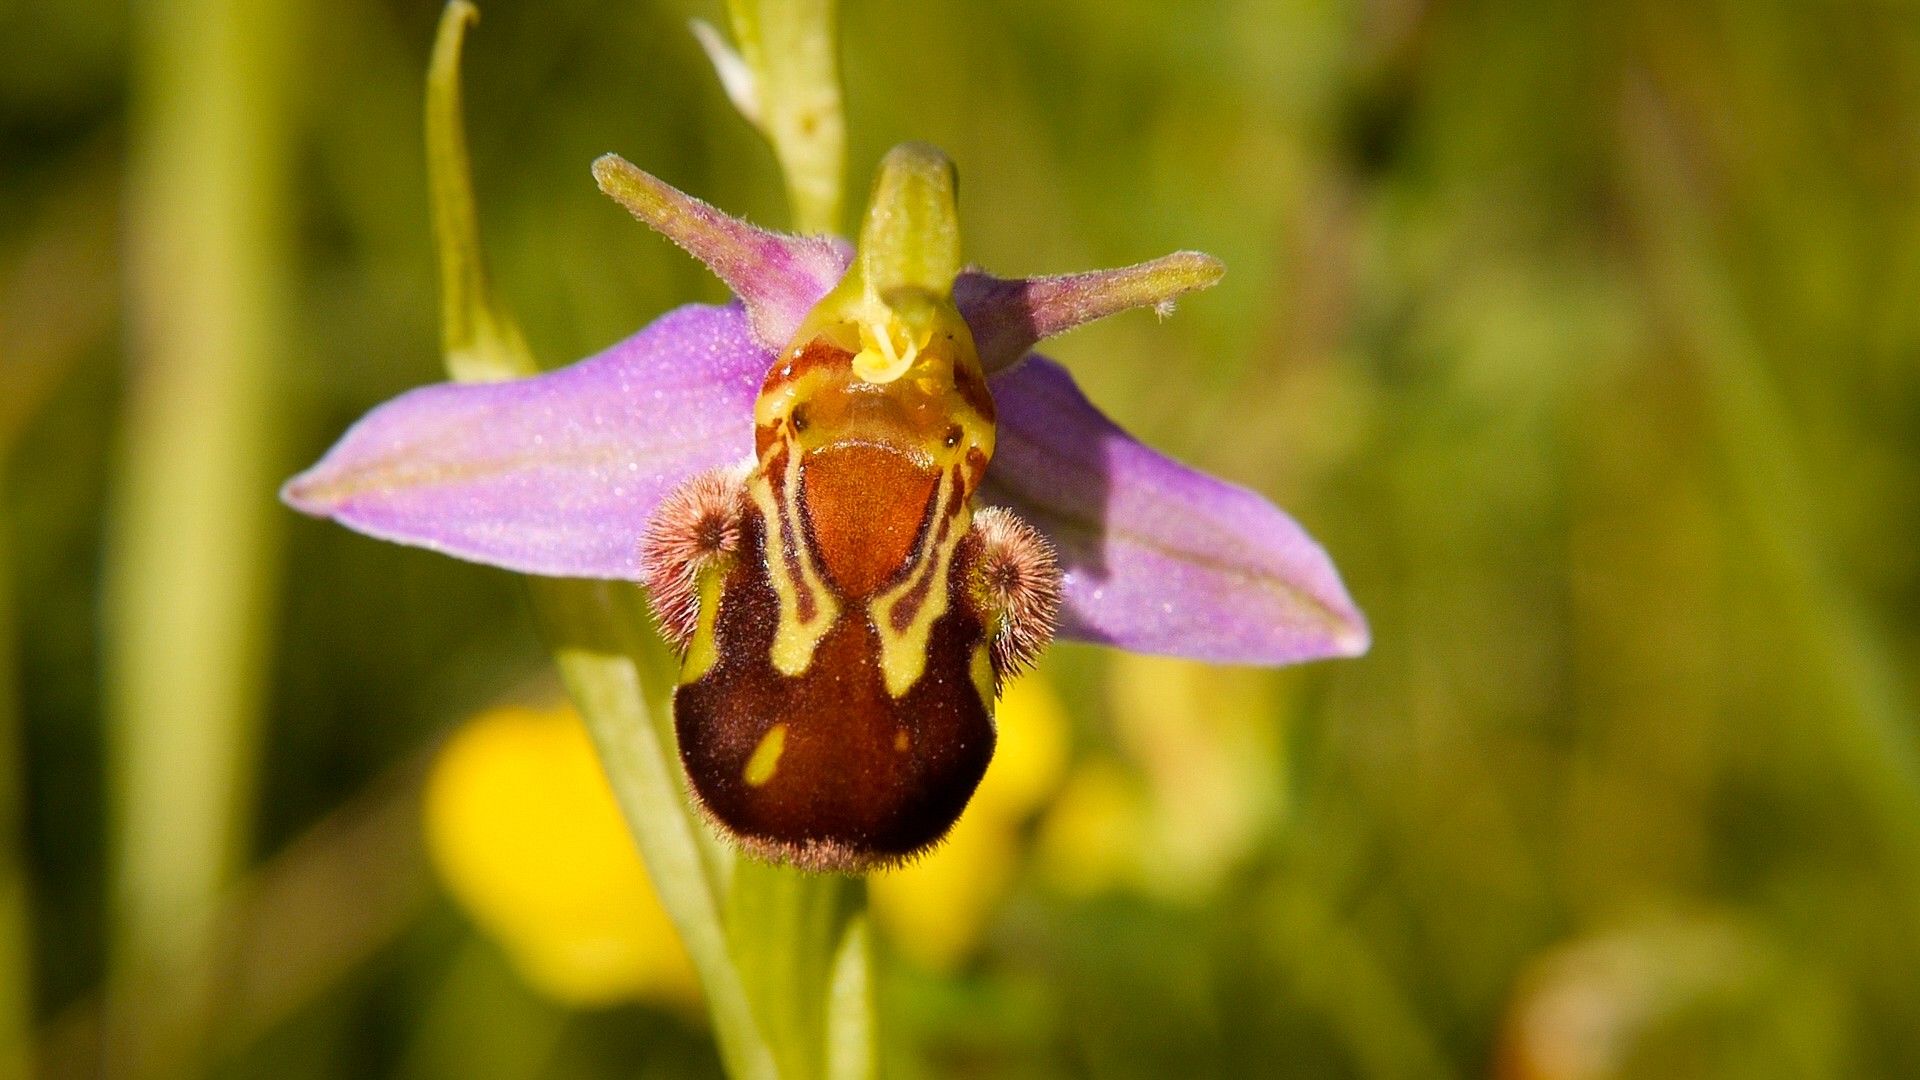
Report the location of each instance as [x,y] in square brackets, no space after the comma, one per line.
[192,528]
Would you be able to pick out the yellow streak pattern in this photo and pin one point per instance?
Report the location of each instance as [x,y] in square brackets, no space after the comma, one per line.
[796,639]
[766,757]
[903,653]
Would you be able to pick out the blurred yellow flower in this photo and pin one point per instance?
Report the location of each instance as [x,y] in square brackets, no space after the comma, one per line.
[936,909]
[525,833]
[1197,788]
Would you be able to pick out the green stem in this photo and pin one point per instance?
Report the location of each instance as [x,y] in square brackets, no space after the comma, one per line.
[608,668]
[787,927]
[188,584]
[16,921]
[852,1027]
[790,46]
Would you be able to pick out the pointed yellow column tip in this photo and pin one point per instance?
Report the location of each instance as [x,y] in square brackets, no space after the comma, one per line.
[910,238]
[898,294]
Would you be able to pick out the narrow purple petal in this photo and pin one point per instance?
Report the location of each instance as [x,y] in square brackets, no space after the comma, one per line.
[555,474]
[1008,316]
[1159,557]
[779,277]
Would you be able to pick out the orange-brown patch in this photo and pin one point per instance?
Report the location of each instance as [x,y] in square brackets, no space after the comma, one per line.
[866,504]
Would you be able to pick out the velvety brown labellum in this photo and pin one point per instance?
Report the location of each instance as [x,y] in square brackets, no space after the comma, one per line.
[826,768]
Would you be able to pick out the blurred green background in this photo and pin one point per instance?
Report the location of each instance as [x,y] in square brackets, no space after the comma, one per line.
[1585,336]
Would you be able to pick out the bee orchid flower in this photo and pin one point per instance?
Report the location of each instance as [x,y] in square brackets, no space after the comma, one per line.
[858,500]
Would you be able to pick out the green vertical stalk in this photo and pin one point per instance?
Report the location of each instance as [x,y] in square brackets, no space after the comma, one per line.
[187,575]
[16,923]
[786,81]
[787,927]
[794,46]
[620,678]
[853,1048]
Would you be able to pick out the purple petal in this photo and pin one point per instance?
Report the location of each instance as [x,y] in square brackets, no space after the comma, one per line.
[1008,316]
[778,277]
[1159,557]
[555,474]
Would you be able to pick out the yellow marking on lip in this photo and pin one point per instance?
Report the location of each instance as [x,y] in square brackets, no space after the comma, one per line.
[794,640]
[703,652]
[766,757]
[903,653]
[981,671]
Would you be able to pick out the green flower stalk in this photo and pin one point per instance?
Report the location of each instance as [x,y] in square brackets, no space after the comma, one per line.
[785,79]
